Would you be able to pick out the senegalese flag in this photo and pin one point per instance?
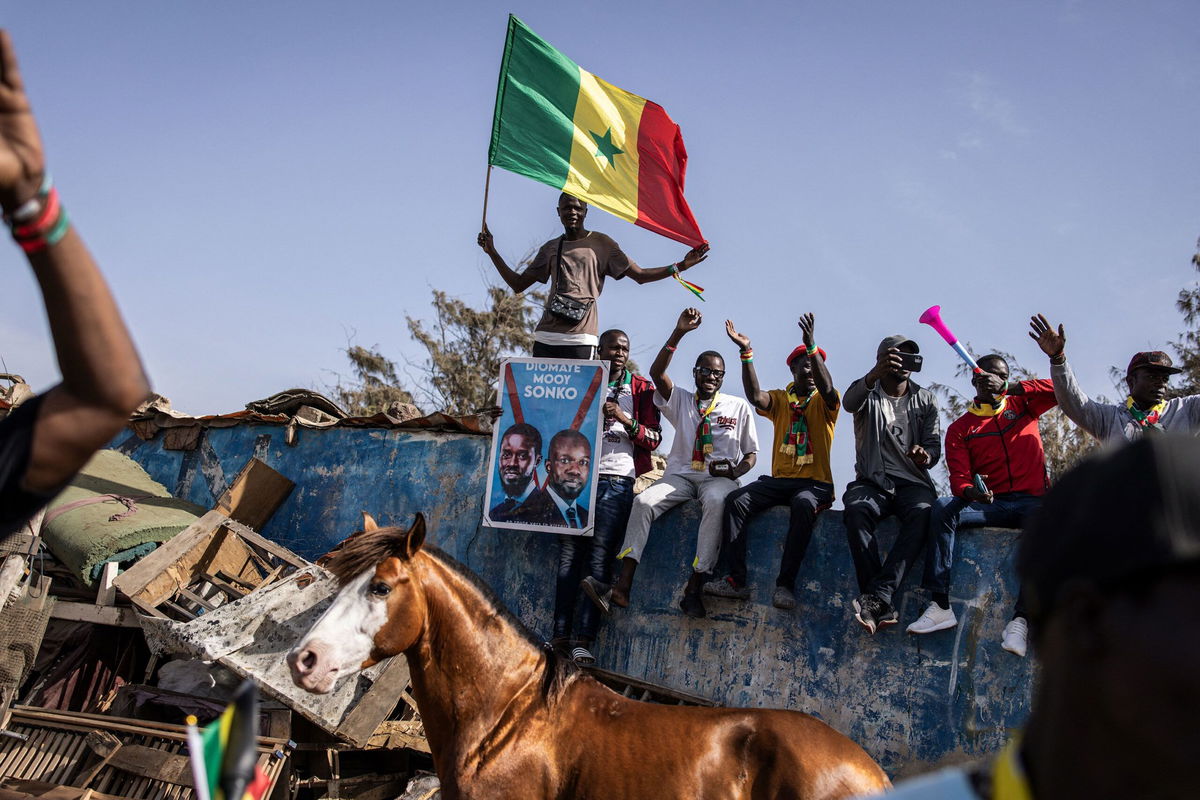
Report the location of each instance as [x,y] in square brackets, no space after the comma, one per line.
[559,124]
[224,755]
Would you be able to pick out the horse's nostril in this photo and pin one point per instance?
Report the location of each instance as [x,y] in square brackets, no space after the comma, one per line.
[308,659]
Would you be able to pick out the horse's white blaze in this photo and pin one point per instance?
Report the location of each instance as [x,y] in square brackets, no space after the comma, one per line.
[348,626]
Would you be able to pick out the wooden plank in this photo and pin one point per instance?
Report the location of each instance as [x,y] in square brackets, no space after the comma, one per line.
[113,616]
[374,706]
[188,594]
[159,571]
[276,550]
[255,494]
[106,592]
[152,763]
[31,715]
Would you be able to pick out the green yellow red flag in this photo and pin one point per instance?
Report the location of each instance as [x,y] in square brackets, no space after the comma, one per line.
[223,754]
[559,124]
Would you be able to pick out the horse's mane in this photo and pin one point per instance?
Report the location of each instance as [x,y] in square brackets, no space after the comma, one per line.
[365,549]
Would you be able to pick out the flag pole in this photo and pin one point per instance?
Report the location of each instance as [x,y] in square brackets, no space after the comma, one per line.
[487,183]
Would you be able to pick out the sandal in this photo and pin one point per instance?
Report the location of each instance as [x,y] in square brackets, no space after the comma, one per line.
[582,656]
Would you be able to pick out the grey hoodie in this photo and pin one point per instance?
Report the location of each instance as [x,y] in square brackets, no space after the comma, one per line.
[1112,421]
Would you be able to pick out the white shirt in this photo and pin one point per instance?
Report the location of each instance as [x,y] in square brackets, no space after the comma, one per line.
[616,448]
[733,432]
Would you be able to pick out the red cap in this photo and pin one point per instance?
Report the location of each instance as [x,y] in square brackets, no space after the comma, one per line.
[801,350]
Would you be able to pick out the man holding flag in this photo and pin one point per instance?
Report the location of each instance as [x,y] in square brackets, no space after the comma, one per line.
[576,264]
[561,125]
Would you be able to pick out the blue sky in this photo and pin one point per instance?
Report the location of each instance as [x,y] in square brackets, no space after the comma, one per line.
[260,180]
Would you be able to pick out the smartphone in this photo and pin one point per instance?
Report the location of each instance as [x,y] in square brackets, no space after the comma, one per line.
[911,361]
[980,486]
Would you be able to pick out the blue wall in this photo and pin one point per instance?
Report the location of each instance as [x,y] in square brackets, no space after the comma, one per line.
[912,702]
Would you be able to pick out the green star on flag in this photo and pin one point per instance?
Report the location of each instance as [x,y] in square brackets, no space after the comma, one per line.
[605,146]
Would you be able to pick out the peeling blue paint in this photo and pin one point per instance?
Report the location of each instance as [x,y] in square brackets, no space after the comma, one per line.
[913,702]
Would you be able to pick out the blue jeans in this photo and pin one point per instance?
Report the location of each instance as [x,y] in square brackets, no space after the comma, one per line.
[583,555]
[951,513]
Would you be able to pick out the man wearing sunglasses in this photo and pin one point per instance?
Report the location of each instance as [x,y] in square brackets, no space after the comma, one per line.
[715,444]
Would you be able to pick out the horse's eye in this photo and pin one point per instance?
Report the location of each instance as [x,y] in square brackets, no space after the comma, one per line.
[380,589]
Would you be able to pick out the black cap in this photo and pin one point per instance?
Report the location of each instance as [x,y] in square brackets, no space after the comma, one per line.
[1155,360]
[1118,516]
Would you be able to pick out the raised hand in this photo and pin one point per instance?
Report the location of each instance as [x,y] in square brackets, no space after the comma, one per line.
[22,161]
[1043,333]
[806,323]
[741,340]
[694,256]
[689,320]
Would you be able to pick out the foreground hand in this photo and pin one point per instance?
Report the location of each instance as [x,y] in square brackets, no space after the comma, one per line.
[976,496]
[22,162]
[888,361]
[918,455]
[694,257]
[741,340]
[689,320]
[1051,343]
[988,383]
[807,323]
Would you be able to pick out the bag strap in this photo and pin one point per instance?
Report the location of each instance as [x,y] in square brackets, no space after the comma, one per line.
[558,261]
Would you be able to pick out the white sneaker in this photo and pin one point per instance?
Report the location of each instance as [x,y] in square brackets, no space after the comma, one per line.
[934,619]
[1016,635]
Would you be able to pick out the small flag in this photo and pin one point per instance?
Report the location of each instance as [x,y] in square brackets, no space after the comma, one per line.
[561,125]
[223,754]
[691,287]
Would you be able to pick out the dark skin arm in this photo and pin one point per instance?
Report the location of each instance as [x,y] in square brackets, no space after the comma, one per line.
[736,470]
[689,320]
[693,257]
[102,376]
[757,397]
[517,281]
[820,372]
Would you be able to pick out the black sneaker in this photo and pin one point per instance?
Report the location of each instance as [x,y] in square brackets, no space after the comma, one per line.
[865,606]
[692,604]
[885,614]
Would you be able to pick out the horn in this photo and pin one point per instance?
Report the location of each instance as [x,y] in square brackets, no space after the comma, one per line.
[932,317]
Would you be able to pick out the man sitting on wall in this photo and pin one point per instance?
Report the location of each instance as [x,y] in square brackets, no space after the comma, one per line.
[803,416]
[997,475]
[715,444]
[897,439]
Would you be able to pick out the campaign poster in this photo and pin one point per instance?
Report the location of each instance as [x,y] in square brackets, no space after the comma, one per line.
[546,445]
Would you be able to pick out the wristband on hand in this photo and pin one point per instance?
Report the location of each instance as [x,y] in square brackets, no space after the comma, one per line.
[40,222]
[669,348]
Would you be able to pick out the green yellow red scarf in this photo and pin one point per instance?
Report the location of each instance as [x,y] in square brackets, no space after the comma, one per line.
[1008,779]
[796,442]
[1147,419]
[703,444]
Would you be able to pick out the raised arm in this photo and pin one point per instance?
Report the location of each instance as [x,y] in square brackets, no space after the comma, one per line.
[102,376]
[689,320]
[821,377]
[693,257]
[856,393]
[1073,401]
[757,397]
[517,281]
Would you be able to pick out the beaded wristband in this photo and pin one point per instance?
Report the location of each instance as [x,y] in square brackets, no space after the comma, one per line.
[33,206]
[675,268]
[668,347]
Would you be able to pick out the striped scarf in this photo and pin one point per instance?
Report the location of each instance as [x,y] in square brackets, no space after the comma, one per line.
[1147,419]
[703,444]
[796,442]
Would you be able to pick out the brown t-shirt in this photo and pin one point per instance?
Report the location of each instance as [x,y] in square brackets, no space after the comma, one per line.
[585,264]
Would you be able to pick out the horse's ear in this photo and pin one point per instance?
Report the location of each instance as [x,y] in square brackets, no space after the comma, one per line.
[369,523]
[416,536]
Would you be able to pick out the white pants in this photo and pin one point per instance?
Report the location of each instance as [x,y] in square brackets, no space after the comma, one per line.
[668,492]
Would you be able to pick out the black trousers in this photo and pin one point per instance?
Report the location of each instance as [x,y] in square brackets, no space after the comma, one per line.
[582,352]
[866,504]
[805,498]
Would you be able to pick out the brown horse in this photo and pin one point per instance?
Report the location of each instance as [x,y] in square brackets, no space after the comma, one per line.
[506,718]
